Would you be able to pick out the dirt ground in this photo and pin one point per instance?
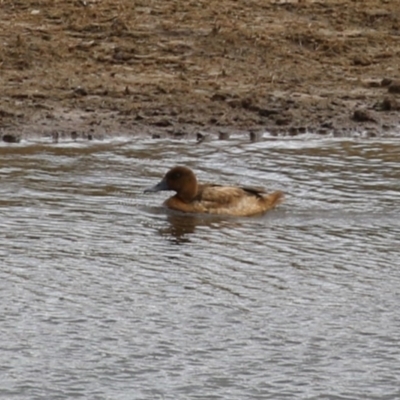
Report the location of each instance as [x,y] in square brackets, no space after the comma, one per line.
[177,67]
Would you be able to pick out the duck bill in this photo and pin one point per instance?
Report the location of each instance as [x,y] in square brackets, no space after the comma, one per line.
[157,188]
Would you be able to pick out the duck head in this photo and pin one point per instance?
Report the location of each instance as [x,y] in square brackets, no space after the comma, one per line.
[181,180]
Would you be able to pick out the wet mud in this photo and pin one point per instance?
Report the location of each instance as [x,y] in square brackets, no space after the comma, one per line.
[93,68]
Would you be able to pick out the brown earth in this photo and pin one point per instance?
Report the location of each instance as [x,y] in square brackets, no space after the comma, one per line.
[177,67]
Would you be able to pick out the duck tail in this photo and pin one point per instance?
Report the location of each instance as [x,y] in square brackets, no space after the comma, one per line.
[275,198]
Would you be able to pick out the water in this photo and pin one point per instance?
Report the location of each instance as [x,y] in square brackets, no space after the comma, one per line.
[107,296]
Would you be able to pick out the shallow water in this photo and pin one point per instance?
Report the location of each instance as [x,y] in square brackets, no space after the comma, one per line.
[105,295]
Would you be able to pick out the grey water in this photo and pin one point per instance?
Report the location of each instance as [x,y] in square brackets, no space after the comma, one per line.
[106,295]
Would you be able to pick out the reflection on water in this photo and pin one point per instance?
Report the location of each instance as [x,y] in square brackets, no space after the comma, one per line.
[108,295]
[179,226]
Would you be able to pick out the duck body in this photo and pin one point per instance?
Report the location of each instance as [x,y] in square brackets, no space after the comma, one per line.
[193,197]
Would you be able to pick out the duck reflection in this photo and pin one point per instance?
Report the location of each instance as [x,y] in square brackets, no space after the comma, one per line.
[180,227]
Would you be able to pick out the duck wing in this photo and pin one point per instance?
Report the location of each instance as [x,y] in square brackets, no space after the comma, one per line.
[226,194]
[254,191]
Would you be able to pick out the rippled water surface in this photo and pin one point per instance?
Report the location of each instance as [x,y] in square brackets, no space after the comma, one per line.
[105,295]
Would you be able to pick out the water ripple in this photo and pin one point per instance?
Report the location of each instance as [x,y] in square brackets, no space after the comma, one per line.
[107,295]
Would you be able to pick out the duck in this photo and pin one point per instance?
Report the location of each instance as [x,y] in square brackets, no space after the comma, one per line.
[205,198]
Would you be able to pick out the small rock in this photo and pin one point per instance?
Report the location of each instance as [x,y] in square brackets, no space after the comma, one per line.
[361,61]
[55,136]
[386,82]
[234,103]
[394,87]
[163,123]
[282,121]
[327,125]
[361,115]
[265,112]
[80,91]
[139,117]
[223,135]
[178,133]
[202,137]
[11,138]
[246,104]
[255,136]
[219,97]
[74,135]
[371,133]
[389,104]
[373,83]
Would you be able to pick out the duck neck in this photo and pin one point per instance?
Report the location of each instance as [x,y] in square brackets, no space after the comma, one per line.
[188,193]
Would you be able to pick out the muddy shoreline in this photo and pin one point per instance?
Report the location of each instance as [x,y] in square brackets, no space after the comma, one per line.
[178,68]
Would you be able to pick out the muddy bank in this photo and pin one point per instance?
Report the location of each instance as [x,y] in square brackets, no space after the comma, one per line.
[100,67]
